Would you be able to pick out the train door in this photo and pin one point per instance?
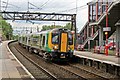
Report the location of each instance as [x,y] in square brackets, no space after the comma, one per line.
[64,39]
[28,39]
[43,41]
[40,40]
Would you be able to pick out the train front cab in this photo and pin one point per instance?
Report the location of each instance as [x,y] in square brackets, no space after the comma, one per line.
[63,45]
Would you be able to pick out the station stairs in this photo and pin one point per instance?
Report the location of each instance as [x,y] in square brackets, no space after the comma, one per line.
[113,18]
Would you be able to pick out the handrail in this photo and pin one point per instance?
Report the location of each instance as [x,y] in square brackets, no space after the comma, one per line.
[84,27]
[90,38]
[110,6]
[103,14]
[95,35]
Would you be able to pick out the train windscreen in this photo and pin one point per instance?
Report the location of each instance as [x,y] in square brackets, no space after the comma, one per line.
[55,38]
[70,39]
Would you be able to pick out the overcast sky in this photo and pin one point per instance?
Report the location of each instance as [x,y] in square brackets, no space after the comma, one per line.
[56,6]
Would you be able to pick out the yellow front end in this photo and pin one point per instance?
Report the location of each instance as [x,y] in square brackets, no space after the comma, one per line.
[64,41]
[64,46]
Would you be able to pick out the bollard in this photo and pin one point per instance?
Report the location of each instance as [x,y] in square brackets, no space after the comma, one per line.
[106,49]
[117,50]
[98,50]
[82,47]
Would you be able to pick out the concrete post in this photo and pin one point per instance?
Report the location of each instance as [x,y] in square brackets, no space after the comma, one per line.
[100,36]
[87,31]
[118,40]
[87,37]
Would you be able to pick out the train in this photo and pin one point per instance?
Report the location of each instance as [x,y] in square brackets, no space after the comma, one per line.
[55,44]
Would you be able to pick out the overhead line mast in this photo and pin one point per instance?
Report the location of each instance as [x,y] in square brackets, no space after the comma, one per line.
[76,7]
[28,5]
[6,5]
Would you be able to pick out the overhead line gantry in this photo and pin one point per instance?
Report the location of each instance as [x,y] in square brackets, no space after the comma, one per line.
[41,17]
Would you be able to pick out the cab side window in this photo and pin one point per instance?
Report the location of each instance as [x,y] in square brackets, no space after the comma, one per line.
[70,39]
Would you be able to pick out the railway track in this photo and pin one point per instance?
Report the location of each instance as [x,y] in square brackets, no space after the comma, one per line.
[52,70]
[74,70]
[37,71]
[49,70]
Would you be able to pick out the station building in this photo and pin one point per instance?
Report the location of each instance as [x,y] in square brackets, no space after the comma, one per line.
[101,14]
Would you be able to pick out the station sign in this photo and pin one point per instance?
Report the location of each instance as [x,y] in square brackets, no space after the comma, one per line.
[107,29]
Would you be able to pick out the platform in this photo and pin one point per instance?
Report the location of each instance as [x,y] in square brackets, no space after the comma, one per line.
[10,68]
[113,60]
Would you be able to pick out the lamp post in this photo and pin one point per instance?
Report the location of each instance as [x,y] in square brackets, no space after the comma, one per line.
[106,31]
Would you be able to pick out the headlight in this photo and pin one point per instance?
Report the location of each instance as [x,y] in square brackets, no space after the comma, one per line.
[55,47]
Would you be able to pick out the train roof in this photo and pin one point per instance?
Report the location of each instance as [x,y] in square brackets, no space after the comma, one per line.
[44,32]
[59,29]
[55,29]
[41,32]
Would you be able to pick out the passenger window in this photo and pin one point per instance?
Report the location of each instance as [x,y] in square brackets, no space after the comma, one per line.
[40,38]
[43,41]
[26,39]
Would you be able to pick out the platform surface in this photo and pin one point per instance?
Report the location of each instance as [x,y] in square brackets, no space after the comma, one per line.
[9,67]
[98,57]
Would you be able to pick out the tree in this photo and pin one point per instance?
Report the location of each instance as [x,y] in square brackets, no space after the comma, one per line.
[67,26]
[6,29]
[45,27]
